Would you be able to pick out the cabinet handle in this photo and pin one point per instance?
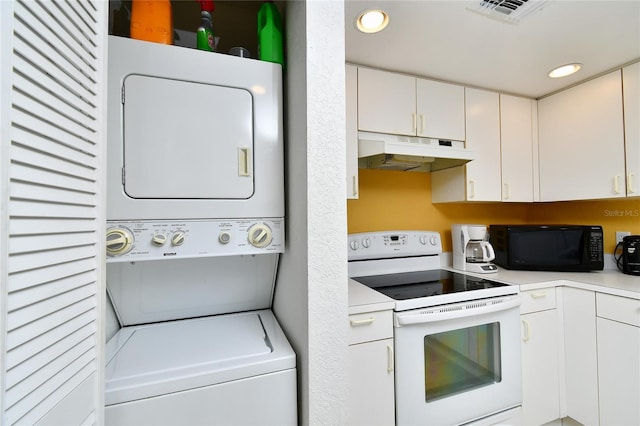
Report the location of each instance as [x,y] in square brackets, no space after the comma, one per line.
[630,183]
[390,361]
[413,121]
[526,336]
[366,321]
[421,123]
[616,186]
[354,186]
[472,189]
[506,191]
[538,295]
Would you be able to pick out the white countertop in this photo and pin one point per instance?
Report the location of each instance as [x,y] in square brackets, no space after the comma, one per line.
[610,281]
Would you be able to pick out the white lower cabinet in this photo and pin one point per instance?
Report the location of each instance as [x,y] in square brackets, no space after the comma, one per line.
[371,369]
[618,325]
[581,363]
[540,357]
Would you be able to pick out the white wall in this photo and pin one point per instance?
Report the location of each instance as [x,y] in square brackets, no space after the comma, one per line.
[311,290]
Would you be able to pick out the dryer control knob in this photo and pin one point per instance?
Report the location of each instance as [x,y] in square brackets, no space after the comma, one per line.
[159,240]
[354,244]
[119,241]
[433,241]
[366,243]
[260,235]
[423,240]
[224,237]
[177,239]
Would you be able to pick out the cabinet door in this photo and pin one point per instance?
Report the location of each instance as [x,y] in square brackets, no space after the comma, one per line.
[631,89]
[517,148]
[581,142]
[440,108]
[540,368]
[483,137]
[386,102]
[581,365]
[371,391]
[618,373]
[351,86]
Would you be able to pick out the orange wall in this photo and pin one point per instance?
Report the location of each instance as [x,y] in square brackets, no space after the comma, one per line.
[393,200]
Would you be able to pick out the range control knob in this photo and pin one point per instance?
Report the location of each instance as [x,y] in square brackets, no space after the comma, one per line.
[177,239]
[260,235]
[354,245]
[158,240]
[119,241]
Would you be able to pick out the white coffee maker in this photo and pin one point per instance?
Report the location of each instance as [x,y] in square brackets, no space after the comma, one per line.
[471,251]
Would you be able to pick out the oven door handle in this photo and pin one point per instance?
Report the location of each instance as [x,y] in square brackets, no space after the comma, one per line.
[466,310]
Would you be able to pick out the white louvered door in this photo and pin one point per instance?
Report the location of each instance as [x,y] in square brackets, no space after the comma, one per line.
[52,118]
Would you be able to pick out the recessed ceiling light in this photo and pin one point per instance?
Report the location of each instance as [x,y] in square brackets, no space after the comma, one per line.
[564,70]
[372,21]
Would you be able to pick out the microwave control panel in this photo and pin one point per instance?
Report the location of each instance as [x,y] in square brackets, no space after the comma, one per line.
[128,241]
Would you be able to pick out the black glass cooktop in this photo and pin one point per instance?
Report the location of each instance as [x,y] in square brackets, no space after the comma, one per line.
[412,285]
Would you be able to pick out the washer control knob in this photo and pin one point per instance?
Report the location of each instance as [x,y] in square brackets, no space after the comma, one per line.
[433,240]
[423,240]
[366,243]
[119,241]
[260,235]
[177,239]
[159,240]
[354,245]
[224,237]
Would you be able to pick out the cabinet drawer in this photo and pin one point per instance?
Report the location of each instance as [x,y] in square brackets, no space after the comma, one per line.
[618,308]
[370,326]
[538,300]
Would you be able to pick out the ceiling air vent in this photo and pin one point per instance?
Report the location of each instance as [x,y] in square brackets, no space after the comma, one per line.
[510,11]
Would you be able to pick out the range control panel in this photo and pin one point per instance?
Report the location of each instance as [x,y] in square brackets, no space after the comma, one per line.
[390,244]
[128,241]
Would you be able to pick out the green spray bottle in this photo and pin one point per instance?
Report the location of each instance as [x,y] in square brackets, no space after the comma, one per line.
[270,34]
[204,35]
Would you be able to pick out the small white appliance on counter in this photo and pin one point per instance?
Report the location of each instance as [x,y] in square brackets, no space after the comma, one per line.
[195,226]
[471,250]
[456,336]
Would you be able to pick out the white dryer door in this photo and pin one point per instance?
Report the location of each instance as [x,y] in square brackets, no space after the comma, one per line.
[209,155]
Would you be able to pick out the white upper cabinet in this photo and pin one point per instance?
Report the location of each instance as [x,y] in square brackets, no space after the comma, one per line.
[480,179]
[516,141]
[404,105]
[351,87]
[440,110]
[631,95]
[386,102]
[581,141]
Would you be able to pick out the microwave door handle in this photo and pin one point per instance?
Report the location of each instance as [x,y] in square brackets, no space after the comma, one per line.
[410,318]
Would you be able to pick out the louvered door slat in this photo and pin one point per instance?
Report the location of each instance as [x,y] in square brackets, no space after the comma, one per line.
[26,226]
[53,135]
[32,347]
[45,291]
[30,87]
[24,173]
[60,50]
[35,363]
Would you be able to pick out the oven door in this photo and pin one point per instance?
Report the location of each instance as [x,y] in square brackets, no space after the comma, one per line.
[458,363]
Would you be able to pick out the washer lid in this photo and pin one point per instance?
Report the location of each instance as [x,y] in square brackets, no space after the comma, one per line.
[156,359]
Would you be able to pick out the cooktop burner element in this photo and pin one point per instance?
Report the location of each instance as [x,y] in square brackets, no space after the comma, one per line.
[411,285]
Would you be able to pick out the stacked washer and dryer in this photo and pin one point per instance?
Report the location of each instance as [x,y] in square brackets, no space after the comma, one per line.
[195,226]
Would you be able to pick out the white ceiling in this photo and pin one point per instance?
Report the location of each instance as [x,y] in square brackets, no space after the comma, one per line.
[445,40]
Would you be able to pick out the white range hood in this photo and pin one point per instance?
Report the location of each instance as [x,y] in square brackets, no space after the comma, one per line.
[408,153]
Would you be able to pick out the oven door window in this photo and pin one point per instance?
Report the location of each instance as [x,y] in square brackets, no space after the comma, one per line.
[461,360]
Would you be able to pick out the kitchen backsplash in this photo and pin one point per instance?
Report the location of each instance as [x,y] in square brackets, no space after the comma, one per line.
[393,200]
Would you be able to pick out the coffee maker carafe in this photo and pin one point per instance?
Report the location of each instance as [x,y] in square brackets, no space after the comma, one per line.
[471,251]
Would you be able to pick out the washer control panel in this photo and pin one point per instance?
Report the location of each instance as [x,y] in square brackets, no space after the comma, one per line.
[128,241]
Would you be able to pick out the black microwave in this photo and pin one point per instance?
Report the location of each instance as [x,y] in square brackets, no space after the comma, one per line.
[566,248]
